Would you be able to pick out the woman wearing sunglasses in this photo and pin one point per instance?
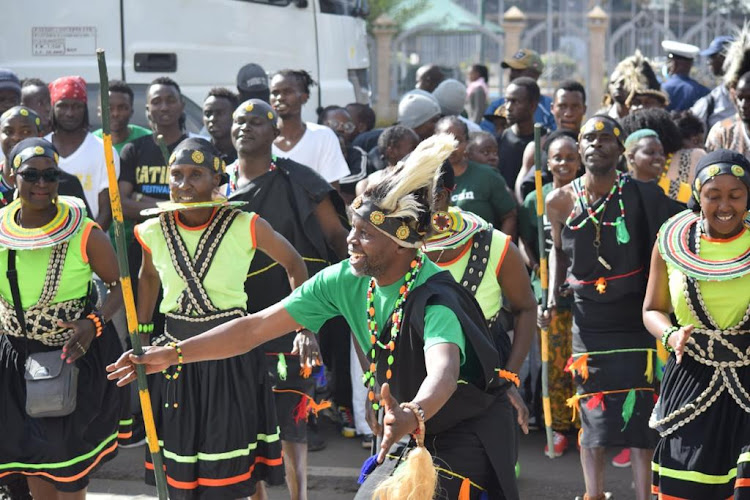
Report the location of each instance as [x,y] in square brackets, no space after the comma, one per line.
[17,124]
[54,249]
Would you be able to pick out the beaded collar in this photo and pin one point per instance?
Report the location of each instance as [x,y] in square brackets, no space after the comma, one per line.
[675,247]
[71,213]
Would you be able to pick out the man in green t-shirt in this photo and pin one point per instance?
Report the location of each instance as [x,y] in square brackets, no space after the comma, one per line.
[424,336]
[120,112]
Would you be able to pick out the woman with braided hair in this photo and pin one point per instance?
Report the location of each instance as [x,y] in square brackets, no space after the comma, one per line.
[49,250]
[216,419]
[700,271]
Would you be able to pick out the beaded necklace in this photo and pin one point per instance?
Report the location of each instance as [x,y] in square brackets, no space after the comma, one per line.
[621,230]
[235,175]
[396,317]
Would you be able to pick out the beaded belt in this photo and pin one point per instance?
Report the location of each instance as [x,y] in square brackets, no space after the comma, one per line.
[181,327]
[41,321]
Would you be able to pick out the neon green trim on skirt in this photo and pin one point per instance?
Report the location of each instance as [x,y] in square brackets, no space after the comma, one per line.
[696,477]
[215,457]
[60,465]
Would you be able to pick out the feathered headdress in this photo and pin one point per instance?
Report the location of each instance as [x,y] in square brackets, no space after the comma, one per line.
[639,78]
[737,60]
[401,203]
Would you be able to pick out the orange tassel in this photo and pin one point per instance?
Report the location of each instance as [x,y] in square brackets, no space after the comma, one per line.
[305,371]
[580,366]
[601,285]
[308,405]
[572,402]
[595,401]
[465,492]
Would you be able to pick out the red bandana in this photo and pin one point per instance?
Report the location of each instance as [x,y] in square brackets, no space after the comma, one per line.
[68,87]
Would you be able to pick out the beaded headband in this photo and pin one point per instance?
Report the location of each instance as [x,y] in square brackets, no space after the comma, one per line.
[395,228]
[31,152]
[459,227]
[186,156]
[22,111]
[600,123]
[706,174]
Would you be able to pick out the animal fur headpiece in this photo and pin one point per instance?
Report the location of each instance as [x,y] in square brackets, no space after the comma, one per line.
[639,78]
[400,205]
[737,60]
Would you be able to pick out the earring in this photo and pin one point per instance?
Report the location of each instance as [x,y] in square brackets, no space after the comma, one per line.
[441,221]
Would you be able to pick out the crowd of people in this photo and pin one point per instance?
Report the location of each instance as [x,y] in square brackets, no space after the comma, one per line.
[285,270]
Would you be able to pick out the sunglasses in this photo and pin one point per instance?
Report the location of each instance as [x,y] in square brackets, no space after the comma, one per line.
[33,175]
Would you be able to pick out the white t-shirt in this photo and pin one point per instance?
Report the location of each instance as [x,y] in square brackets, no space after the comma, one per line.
[88,164]
[318,149]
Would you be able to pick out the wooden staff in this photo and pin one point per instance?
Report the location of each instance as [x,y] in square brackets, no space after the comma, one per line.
[127,287]
[544,281]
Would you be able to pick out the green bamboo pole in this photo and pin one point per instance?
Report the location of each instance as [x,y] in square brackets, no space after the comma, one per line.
[127,287]
[544,281]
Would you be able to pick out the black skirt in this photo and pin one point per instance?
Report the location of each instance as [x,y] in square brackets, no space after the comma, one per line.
[61,450]
[709,456]
[218,426]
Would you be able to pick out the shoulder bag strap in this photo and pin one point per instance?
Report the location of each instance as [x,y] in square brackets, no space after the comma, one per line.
[12,275]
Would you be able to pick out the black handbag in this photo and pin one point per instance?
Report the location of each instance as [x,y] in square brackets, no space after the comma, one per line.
[51,382]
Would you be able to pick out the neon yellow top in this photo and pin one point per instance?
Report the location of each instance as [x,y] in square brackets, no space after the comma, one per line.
[727,301]
[32,267]
[225,279]
[488,292]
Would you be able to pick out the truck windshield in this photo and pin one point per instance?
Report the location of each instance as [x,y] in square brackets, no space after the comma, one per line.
[354,8]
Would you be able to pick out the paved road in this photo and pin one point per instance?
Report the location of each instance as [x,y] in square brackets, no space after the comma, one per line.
[333,473]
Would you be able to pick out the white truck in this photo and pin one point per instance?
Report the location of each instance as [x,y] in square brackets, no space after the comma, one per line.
[198,43]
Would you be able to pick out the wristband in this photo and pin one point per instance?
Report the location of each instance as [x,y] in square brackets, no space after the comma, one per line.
[668,331]
[509,376]
[96,318]
[145,328]
[178,368]
[419,413]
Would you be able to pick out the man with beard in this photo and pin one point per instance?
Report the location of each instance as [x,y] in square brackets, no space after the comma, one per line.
[603,228]
[35,95]
[81,153]
[217,118]
[521,99]
[120,112]
[421,330]
[299,204]
[732,133]
[307,143]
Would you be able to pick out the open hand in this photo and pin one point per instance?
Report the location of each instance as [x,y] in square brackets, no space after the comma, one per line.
[523,412]
[79,343]
[397,421]
[678,340]
[306,346]
[154,359]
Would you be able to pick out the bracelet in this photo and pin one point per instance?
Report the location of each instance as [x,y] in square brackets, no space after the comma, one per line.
[112,284]
[98,320]
[509,376]
[145,328]
[178,369]
[419,413]
[668,331]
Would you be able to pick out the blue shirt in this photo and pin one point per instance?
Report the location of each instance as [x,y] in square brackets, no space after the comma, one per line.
[542,115]
[683,92]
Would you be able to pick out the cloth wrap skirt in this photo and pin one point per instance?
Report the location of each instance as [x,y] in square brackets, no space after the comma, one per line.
[216,422]
[618,361]
[61,450]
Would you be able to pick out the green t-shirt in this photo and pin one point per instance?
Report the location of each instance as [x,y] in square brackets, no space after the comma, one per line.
[225,280]
[136,131]
[336,291]
[482,190]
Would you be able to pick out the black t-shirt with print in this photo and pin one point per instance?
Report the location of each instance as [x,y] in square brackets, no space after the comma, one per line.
[143,165]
